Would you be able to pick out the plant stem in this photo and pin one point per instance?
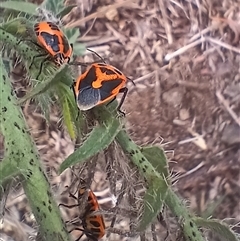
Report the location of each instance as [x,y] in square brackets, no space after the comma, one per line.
[21,154]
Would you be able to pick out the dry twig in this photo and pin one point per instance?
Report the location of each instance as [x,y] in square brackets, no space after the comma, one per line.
[180,51]
[228,108]
[162,6]
[101,13]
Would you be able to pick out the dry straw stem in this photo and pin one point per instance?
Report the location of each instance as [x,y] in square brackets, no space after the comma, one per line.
[228,108]
[196,168]
[182,50]
[167,26]
[101,12]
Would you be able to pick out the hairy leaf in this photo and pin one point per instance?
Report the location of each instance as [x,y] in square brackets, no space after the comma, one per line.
[69,108]
[25,7]
[157,158]
[153,202]
[99,138]
[220,228]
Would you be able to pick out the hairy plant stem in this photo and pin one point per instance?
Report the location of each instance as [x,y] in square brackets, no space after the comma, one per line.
[21,156]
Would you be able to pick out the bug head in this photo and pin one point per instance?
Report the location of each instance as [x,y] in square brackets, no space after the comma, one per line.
[59,59]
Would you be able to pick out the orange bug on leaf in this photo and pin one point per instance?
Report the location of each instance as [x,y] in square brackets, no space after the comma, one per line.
[54,42]
[99,84]
[92,222]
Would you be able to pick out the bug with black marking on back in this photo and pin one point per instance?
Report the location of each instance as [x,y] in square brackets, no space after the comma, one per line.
[99,84]
[92,222]
[52,39]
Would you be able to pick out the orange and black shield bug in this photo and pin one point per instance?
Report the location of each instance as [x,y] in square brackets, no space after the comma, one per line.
[99,84]
[54,42]
[92,221]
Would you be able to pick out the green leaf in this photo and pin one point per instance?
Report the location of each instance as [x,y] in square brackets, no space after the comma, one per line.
[25,7]
[153,202]
[54,6]
[19,27]
[65,11]
[69,108]
[44,101]
[211,207]
[79,49]
[45,85]
[157,158]
[221,229]
[68,118]
[99,138]
[72,34]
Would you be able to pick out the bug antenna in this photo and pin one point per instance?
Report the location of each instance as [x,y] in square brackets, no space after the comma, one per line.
[131,81]
[96,54]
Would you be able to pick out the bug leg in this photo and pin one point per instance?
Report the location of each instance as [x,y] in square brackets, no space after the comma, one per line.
[121,113]
[68,206]
[71,45]
[34,57]
[71,195]
[73,85]
[78,114]
[79,237]
[124,91]
[118,110]
[41,64]
[36,44]
[90,236]
[79,230]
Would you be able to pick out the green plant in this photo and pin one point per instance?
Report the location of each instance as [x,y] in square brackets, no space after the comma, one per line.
[53,86]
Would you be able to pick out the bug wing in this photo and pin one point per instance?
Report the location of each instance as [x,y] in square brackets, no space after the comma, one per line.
[110,89]
[88,97]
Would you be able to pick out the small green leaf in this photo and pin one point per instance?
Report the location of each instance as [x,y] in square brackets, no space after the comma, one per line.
[157,158]
[212,206]
[221,229]
[19,27]
[68,118]
[69,108]
[65,11]
[79,49]
[72,34]
[44,102]
[53,6]
[99,138]
[153,202]
[25,7]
